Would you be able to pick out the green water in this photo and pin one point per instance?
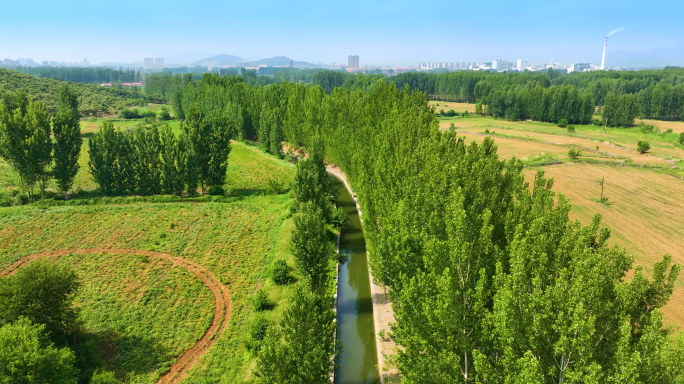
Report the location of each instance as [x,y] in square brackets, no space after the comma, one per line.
[358,361]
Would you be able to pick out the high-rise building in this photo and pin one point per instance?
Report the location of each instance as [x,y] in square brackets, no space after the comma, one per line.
[522,64]
[159,63]
[149,63]
[8,62]
[353,61]
[498,64]
[501,65]
[85,63]
[579,67]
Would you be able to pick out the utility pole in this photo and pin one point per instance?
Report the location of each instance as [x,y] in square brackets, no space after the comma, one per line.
[291,74]
[604,127]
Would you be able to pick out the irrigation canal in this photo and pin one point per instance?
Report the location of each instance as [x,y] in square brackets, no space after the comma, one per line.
[358,360]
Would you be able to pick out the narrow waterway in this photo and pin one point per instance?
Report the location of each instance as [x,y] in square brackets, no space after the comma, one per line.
[358,361]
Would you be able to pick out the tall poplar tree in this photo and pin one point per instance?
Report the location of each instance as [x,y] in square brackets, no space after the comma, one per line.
[67,146]
[209,138]
[102,151]
[301,350]
[25,138]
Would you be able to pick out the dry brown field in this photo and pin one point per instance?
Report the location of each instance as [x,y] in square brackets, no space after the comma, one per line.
[645,208]
[644,213]
[447,105]
[676,126]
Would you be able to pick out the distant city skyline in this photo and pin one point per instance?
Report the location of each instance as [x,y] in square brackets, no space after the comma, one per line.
[382,32]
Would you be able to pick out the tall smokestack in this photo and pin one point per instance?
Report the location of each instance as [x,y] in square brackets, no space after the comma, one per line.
[603,60]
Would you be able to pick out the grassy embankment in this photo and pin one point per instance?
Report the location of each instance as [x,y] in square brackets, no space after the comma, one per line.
[644,191]
[145,312]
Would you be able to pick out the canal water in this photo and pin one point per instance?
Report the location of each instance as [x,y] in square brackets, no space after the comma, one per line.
[358,361]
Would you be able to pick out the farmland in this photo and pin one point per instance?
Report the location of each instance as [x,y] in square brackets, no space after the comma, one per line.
[644,206]
[143,311]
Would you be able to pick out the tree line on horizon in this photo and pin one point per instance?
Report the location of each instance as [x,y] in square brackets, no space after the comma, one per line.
[514,96]
[84,75]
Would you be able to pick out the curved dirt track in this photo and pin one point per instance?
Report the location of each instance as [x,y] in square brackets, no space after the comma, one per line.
[222,305]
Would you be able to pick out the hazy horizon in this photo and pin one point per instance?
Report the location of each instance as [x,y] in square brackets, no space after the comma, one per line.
[380,32]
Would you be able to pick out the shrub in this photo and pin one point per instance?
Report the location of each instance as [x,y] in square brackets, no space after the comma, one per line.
[669,130]
[340,219]
[103,377]
[681,138]
[562,123]
[571,129]
[164,114]
[216,190]
[441,112]
[275,187]
[451,113]
[574,153]
[136,113]
[597,122]
[258,329]
[643,146]
[257,332]
[260,301]
[465,114]
[130,114]
[6,200]
[646,128]
[280,272]
[478,108]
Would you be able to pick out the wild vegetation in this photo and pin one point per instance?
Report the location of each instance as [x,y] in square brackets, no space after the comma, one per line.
[138,314]
[93,98]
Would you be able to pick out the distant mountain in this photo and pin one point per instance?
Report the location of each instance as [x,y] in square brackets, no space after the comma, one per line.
[222,60]
[282,61]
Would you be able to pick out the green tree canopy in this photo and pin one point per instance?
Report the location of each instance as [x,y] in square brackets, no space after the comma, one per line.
[27,356]
[42,293]
[67,133]
[311,245]
[301,350]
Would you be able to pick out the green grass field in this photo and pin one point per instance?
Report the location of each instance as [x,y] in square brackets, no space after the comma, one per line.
[145,312]
[250,170]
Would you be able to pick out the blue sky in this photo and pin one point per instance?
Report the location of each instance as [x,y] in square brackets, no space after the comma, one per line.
[381,32]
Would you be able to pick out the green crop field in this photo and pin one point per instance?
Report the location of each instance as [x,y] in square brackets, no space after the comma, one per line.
[144,311]
[644,191]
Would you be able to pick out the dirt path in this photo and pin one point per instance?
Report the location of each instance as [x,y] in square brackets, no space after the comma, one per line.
[222,305]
